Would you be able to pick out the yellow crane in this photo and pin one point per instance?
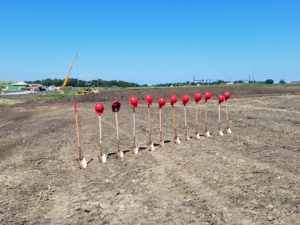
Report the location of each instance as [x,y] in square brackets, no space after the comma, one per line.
[68,74]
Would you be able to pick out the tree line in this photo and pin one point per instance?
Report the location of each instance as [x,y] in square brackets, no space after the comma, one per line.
[119,83]
[82,83]
[217,82]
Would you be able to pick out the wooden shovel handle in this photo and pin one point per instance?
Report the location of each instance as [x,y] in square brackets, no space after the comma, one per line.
[78,135]
[227,117]
[117,129]
[219,111]
[149,125]
[100,135]
[160,125]
[133,116]
[197,112]
[174,122]
[185,121]
[206,116]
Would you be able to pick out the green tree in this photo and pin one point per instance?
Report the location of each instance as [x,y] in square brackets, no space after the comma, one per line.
[269,81]
[281,82]
[238,82]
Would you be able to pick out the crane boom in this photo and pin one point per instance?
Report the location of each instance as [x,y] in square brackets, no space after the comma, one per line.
[68,74]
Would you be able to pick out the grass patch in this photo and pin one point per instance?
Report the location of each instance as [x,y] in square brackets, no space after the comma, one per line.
[66,92]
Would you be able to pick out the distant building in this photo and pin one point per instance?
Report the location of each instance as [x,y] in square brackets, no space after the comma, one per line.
[295,82]
[16,86]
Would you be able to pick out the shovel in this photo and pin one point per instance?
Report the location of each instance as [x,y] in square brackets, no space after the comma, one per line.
[185,99]
[133,101]
[81,159]
[197,135]
[227,95]
[197,97]
[99,109]
[161,103]
[176,139]
[135,149]
[115,106]
[150,145]
[207,133]
[207,96]
[221,98]
[173,100]
[102,157]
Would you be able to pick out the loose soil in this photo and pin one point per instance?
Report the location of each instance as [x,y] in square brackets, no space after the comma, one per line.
[248,177]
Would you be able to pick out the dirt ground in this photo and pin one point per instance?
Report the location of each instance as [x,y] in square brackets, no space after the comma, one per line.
[248,177]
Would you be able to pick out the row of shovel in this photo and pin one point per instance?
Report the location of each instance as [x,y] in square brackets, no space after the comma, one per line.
[133,102]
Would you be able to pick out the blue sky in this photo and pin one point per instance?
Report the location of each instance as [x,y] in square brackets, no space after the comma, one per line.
[150,41]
